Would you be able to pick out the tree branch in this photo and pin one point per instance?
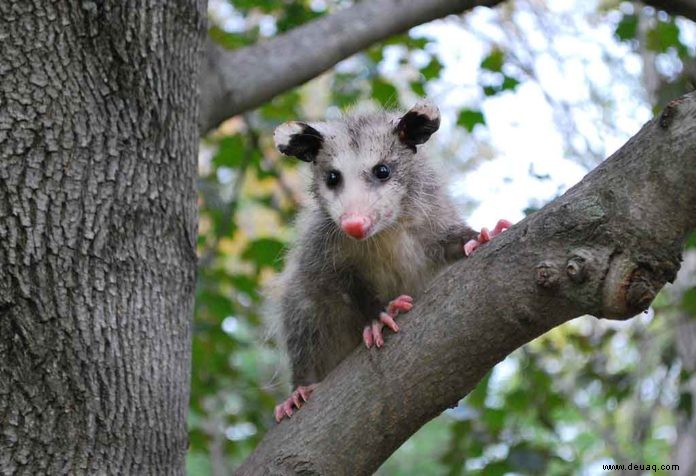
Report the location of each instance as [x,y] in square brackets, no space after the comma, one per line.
[604,248]
[236,81]
[685,8]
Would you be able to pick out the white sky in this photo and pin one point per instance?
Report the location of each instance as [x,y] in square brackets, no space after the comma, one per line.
[522,125]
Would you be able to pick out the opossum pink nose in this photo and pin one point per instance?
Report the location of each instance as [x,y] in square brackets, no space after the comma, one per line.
[355,225]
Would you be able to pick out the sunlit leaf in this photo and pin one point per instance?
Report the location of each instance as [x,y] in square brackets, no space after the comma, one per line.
[689,301]
[691,241]
[494,61]
[384,93]
[230,152]
[627,28]
[432,69]
[418,87]
[497,468]
[469,118]
[509,83]
[265,252]
[665,35]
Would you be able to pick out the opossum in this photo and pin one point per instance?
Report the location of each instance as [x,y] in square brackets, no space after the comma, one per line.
[378,229]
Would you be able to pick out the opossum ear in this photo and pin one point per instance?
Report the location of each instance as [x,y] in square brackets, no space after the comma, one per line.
[299,140]
[418,124]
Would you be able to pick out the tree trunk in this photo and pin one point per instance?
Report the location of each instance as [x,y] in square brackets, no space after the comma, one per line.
[604,248]
[98,142]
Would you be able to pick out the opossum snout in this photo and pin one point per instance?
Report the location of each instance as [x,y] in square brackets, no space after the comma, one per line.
[356,225]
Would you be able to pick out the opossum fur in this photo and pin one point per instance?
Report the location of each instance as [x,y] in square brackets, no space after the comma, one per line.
[333,284]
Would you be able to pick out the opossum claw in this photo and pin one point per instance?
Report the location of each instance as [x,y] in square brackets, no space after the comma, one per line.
[372,333]
[485,236]
[403,303]
[296,399]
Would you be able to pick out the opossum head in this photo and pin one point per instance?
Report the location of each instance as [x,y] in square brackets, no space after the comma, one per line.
[364,166]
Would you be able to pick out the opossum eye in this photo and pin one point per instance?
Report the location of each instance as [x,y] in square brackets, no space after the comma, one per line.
[381,171]
[333,178]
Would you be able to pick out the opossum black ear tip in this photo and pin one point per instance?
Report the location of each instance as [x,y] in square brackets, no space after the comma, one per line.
[298,139]
[419,123]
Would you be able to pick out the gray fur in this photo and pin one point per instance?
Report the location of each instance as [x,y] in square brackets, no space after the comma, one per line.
[333,285]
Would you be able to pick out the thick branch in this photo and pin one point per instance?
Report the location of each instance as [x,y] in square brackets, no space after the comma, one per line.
[236,81]
[603,248]
[686,8]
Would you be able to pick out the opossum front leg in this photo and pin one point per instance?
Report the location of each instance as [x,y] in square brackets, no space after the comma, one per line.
[372,333]
[371,308]
[485,236]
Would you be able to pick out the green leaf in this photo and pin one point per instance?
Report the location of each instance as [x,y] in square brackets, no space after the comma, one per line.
[497,468]
[408,41]
[494,61]
[375,54]
[689,301]
[418,87]
[265,252]
[228,40]
[529,210]
[432,70]
[296,14]
[509,83]
[627,28]
[490,90]
[527,459]
[477,397]
[230,152]
[468,118]
[691,241]
[384,93]
[246,284]
[266,6]
[282,107]
[686,404]
[217,304]
[494,418]
[663,36]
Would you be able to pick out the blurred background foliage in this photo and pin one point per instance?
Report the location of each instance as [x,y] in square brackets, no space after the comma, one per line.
[588,393]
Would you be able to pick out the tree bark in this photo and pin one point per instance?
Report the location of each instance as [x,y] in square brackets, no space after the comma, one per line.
[99,137]
[604,248]
[236,81]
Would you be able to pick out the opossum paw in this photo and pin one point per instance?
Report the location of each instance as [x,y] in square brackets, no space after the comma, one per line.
[372,333]
[485,236]
[295,400]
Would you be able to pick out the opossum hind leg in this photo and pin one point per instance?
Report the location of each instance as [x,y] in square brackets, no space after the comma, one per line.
[295,400]
[372,333]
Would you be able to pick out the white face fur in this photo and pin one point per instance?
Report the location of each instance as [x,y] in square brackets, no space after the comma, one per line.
[363,166]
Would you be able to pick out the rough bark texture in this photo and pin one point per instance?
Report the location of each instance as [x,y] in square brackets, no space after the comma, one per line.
[604,248]
[98,142]
[239,80]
